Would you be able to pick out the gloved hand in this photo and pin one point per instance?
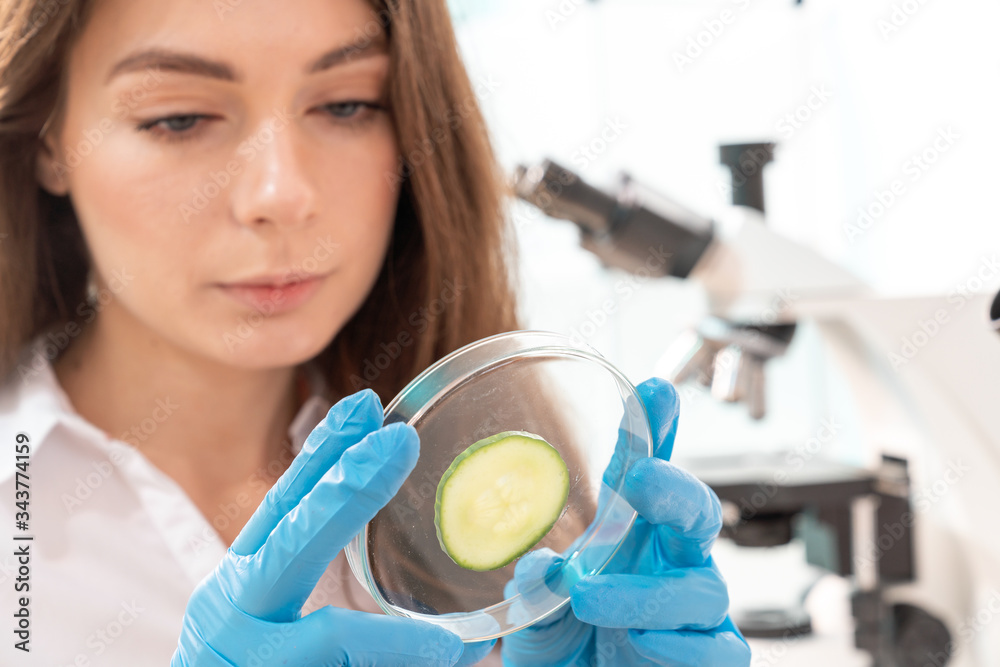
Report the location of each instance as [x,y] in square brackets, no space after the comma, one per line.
[661,600]
[247,612]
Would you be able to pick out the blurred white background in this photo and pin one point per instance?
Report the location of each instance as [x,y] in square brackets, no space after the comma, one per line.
[883,78]
[855,93]
[859,96]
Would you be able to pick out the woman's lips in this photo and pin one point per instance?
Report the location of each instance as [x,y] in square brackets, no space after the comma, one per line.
[274,299]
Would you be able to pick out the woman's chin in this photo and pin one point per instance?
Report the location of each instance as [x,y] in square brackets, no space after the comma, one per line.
[270,347]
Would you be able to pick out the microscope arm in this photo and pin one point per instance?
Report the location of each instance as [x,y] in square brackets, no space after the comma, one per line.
[746,269]
[751,274]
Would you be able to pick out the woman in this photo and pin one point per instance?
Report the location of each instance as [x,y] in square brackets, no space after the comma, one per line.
[215,217]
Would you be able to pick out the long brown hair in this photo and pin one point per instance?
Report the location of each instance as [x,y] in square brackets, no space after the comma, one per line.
[445,281]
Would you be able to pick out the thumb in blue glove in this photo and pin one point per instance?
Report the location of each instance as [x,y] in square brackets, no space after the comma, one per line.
[247,611]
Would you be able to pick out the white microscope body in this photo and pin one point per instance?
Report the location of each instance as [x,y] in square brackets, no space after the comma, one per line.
[923,376]
[917,377]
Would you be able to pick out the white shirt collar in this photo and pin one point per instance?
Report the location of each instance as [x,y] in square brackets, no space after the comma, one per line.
[33,402]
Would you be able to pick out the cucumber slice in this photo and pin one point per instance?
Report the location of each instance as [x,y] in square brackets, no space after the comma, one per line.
[498,498]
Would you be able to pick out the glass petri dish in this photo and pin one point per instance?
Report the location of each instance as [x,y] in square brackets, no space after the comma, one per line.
[535,381]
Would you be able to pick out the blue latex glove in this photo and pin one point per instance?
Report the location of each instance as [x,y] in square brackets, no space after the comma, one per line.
[247,612]
[661,600]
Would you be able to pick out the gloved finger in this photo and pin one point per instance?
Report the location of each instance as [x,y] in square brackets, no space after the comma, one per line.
[345,424]
[663,409]
[559,642]
[536,577]
[680,599]
[475,652]
[721,647]
[304,542]
[334,636]
[686,513]
[202,656]
[660,408]
[549,639]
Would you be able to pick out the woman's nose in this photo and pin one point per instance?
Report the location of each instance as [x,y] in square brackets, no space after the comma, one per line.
[275,186]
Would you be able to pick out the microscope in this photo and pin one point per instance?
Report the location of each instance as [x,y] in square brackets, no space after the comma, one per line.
[910,564]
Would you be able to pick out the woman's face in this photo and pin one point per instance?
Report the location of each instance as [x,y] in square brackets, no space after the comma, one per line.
[216,149]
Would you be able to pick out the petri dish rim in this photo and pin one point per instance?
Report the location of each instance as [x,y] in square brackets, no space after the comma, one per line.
[557,346]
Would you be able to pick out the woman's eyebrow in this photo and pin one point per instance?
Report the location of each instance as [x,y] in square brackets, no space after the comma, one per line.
[189,63]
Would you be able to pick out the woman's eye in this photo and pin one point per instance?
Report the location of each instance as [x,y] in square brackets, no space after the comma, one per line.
[354,113]
[344,109]
[180,123]
[172,125]
[183,126]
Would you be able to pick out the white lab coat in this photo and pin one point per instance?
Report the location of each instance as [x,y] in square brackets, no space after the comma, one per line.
[117,546]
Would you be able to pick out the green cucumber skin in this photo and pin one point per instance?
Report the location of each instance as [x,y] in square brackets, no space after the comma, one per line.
[469,451]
